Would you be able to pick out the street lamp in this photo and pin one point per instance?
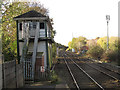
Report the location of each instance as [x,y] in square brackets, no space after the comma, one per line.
[108,19]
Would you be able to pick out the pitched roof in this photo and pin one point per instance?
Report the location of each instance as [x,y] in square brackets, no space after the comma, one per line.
[30,14]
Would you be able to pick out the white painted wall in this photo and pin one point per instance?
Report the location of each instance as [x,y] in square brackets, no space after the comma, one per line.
[30,47]
[20,35]
[21,47]
[42,48]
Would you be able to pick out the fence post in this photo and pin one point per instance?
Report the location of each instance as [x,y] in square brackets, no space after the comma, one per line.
[3,71]
[15,73]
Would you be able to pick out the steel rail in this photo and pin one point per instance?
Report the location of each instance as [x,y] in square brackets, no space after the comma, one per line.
[109,69]
[103,72]
[76,84]
[87,75]
[106,68]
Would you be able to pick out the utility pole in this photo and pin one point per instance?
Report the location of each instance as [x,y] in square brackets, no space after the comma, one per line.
[108,19]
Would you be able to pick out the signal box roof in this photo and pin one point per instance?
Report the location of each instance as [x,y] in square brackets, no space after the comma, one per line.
[30,15]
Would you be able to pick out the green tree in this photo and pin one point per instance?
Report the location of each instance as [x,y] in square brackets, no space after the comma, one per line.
[74,44]
[95,51]
[113,43]
[1,2]
[81,41]
[69,45]
[77,43]
[113,53]
[102,42]
[54,50]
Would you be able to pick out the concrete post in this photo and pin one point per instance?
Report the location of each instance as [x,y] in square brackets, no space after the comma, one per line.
[35,49]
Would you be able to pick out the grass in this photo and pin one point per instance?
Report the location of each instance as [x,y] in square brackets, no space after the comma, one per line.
[54,78]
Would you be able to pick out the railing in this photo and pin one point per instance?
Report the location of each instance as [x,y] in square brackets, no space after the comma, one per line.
[41,33]
[39,75]
[26,42]
[28,69]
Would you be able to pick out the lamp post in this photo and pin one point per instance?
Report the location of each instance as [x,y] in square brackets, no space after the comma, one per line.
[108,19]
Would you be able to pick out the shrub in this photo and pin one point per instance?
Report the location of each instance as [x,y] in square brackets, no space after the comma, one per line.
[95,51]
[111,55]
[53,77]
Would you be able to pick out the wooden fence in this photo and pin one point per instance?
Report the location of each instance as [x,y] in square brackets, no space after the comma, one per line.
[12,75]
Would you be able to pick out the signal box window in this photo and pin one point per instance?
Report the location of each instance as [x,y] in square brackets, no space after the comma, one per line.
[20,26]
[34,25]
[42,26]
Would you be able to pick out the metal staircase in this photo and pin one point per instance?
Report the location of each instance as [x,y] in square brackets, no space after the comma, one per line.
[29,64]
[26,42]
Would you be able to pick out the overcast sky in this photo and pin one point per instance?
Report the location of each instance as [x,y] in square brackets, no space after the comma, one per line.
[82,18]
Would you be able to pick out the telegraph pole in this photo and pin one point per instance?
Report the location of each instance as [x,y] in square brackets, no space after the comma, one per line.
[108,19]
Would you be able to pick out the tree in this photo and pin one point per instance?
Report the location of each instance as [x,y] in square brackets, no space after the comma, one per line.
[1,2]
[95,51]
[113,53]
[11,10]
[74,44]
[69,45]
[81,41]
[77,43]
[113,43]
[54,50]
[102,42]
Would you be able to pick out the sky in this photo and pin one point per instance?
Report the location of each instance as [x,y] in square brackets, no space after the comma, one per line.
[74,18]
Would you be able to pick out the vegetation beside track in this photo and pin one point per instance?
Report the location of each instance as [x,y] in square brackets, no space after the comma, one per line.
[97,48]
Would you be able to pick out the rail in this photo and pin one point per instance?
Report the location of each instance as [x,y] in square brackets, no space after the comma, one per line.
[76,84]
[88,75]
[105,72]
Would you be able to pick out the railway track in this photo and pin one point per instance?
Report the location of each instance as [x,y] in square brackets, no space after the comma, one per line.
[115,74]
[103,66]
[81,78]
[90,75]
[71,73]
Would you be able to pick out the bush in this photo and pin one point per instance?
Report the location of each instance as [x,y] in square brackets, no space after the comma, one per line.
[53,77]
[95,51]
[111,55]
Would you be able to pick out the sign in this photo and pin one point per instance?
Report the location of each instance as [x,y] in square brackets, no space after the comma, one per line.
[42,69]
[108,17]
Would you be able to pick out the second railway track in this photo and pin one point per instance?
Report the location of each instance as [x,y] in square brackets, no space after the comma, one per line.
[81,78]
